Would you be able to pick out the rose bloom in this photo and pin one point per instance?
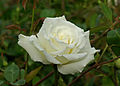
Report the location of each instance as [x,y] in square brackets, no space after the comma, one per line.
[60,42]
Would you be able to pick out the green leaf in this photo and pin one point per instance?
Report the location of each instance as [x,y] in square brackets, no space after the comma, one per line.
[35,80]
[106,81]
[105,68]
[11,72]
[91,20]
[19,82]
[91,82]
[22,73]
[5,63]
[106,11]
[1,82]
[5,84]
[98,29]
[47,13]
[117,63]
[32,74]
[116,50]
[61,82]
[113,39]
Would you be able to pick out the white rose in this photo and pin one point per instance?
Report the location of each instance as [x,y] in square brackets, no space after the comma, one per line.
[60,42]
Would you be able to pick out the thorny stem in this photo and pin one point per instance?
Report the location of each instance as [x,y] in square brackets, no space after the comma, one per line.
[92,67]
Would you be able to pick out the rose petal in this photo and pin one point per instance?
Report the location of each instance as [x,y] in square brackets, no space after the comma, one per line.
[76,66]
[49,57]
[84,44]
[70,57]
[27,43]
[52,25]
[45,31]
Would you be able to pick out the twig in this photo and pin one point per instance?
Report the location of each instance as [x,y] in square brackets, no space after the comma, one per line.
[15,27]
[97,38]
[94,66]
[44,78]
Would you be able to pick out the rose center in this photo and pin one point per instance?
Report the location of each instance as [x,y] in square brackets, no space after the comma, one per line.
[64,36]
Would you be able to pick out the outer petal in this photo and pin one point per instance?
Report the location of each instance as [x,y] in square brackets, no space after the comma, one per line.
[70,57]
[76,66]
[27,43]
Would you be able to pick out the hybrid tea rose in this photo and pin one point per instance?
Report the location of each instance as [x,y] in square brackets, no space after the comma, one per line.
[60,42]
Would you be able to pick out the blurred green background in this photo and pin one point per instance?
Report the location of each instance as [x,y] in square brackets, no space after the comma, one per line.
[101,17]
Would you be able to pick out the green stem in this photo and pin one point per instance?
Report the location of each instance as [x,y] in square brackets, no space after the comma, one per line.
[17,14]
[26,63]
[32,21]
[115,76]
[56,75]
[106,46]
[26,60]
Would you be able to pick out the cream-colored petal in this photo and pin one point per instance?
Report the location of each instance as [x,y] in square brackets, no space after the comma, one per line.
[84,44]
[27,43]
[74,57]
[76,66]
[58,27]
[49,57]
[45,32]
[70,57]
[48,24]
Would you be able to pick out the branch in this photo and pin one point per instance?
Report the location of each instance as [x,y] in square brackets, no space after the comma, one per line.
[44,78]
[103,34]
[89,69]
